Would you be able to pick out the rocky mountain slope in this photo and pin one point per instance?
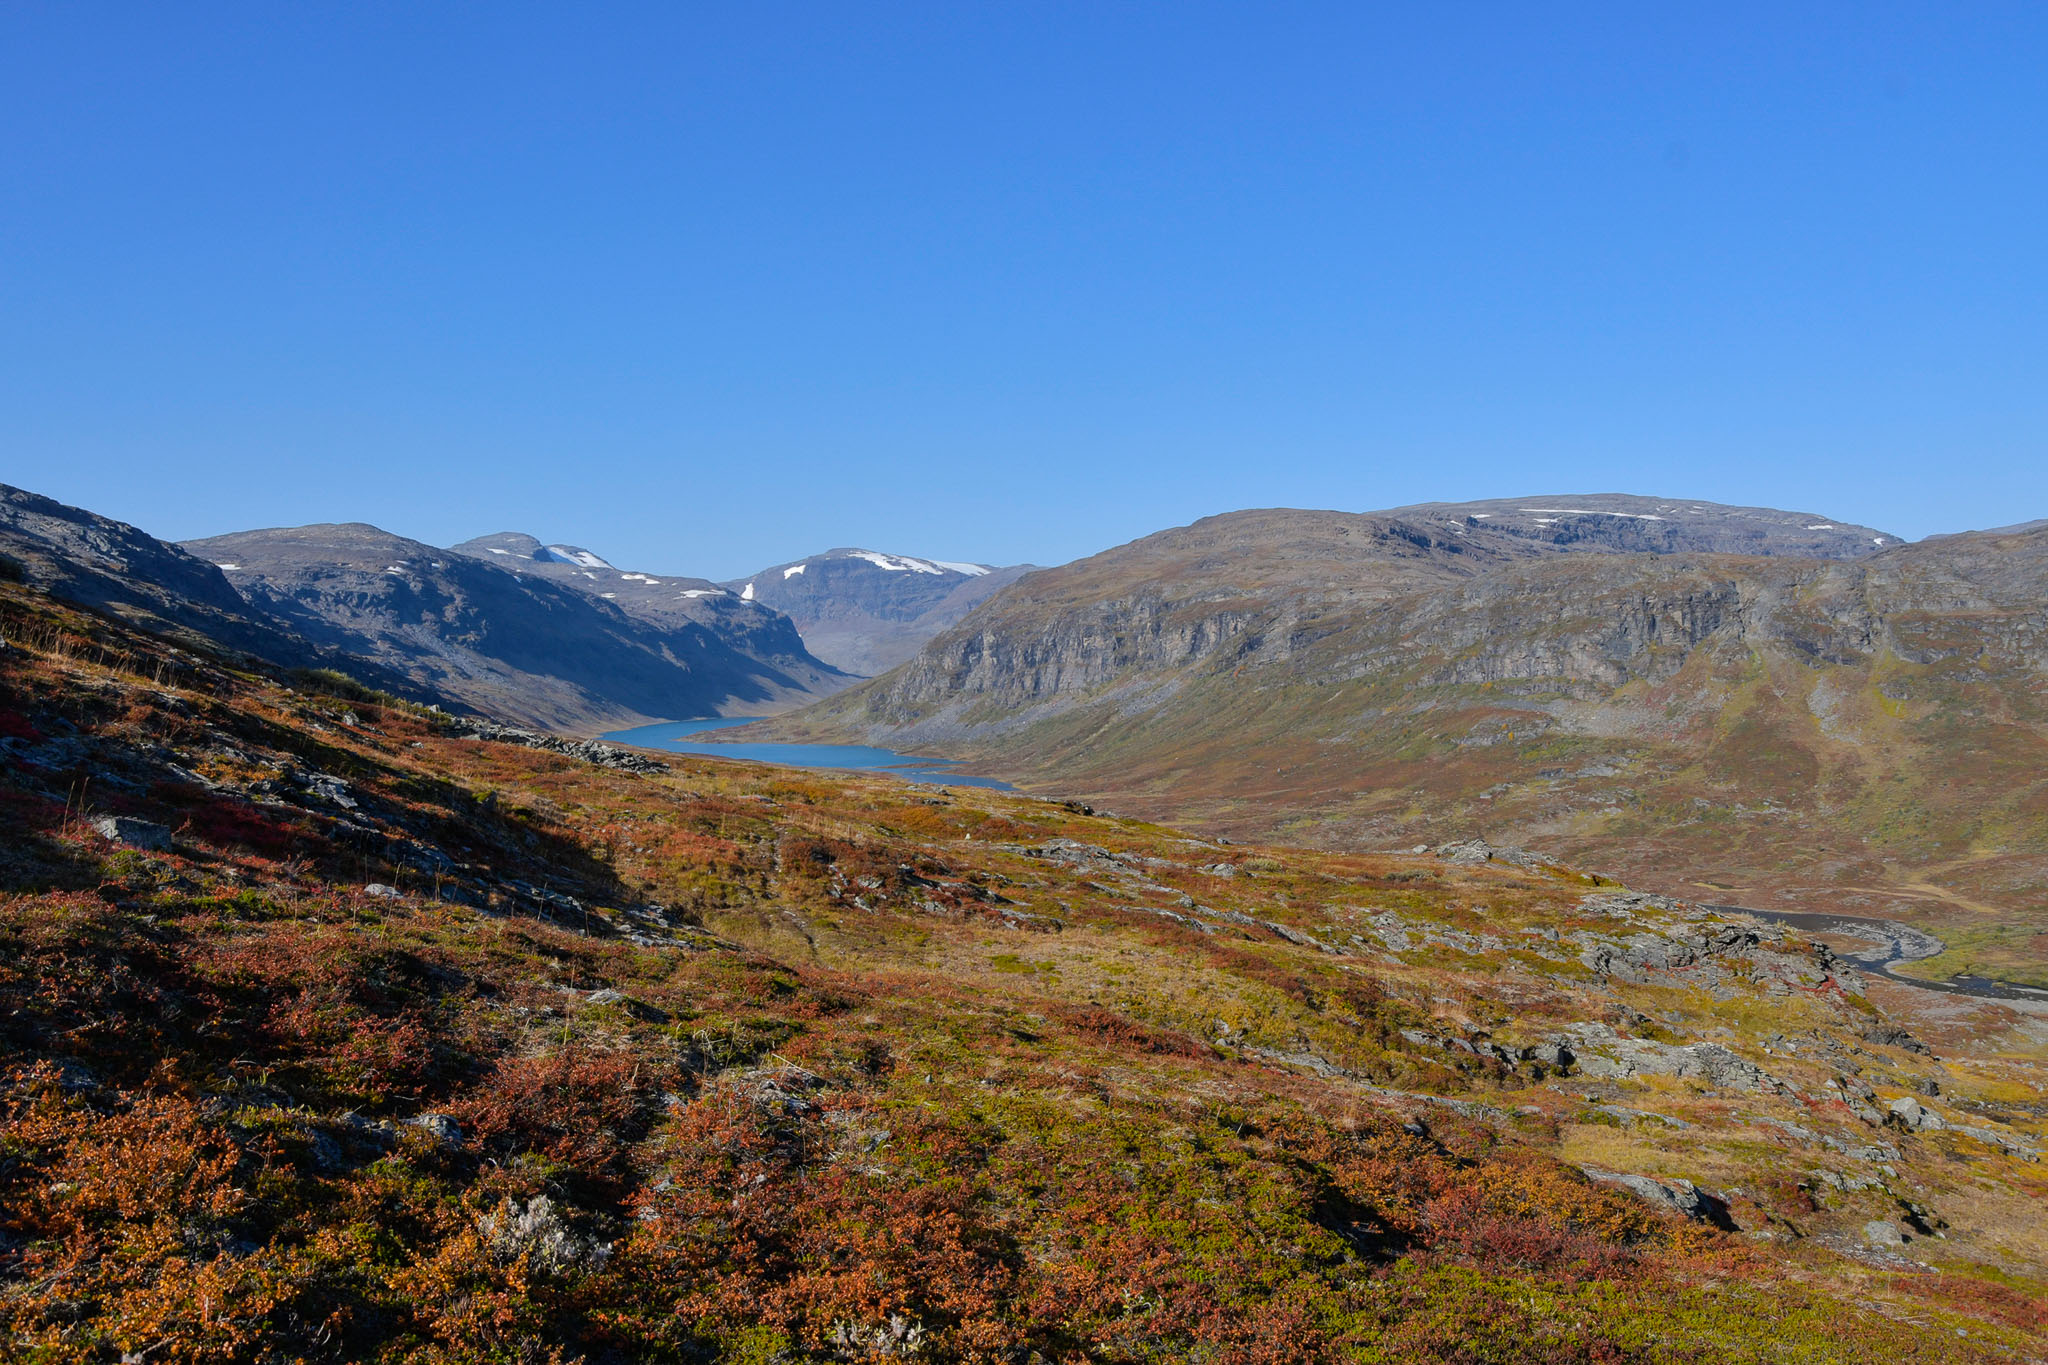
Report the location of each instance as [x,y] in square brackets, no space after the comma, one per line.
[93,560]
[334,1033]
[752,629]
[515,643]
[1774,730]
[864,611]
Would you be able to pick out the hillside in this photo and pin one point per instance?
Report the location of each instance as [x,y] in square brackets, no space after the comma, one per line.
[517,645]
[866,612]
[335,1035]
[1861,735]
[98,562]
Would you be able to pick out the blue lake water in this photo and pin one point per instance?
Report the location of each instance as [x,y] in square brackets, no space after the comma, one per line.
[685,737]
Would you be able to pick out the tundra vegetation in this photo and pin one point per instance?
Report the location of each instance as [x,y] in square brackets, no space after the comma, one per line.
[329,1031]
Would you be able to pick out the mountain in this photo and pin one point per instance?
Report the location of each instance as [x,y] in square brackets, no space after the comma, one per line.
[335,1033]
[93,560]
[512,641]
[864,611]
[750,629]
[1866,733]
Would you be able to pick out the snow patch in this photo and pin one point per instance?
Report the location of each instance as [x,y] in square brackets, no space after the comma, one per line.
[496,551]
[1877,540]
[703,592]
[896,563]
[641,577]
[569,554]
[227,566]
[747,593]
[793,572]
[1482,516]
[971,570]
[1595,512]
[1822,526]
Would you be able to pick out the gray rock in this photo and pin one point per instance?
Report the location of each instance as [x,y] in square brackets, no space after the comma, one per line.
[1908,1113]
[142,834]
[1479,851]
[1680,1196]
[383,892]
[442,1127]
[1888,1034]
[1879,1233]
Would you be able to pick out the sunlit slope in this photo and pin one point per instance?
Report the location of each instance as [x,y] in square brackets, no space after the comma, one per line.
[1861,734]
[360,1040]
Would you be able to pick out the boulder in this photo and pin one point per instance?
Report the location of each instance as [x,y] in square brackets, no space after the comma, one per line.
[441,1127]
[1479,851]
[1908,1113]
[1679,1196]
[142,834]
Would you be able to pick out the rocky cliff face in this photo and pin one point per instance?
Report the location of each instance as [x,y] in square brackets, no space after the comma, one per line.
[865,611]
[1249,583]
[514,645]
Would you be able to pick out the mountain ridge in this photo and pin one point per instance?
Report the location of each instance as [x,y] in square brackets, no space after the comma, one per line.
[520,646]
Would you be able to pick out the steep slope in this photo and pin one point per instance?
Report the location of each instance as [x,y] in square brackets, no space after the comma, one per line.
[331,1034]
[1781,731]
[752,630]
[93,560]
[866,612]
[512,645]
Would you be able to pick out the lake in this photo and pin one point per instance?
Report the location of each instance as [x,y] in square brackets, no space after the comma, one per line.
[683,737]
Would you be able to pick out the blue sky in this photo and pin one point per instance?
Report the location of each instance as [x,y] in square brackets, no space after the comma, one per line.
[707,288]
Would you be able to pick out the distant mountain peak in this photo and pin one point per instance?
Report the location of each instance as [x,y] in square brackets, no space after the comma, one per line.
[518,545]
[868,610]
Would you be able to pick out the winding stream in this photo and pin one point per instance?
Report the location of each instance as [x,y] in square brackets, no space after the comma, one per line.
[1891,944]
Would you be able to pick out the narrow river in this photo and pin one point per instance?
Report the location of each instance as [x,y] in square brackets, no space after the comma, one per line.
[1891,944]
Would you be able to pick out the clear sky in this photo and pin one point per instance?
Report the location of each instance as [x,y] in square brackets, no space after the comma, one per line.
[711,287]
